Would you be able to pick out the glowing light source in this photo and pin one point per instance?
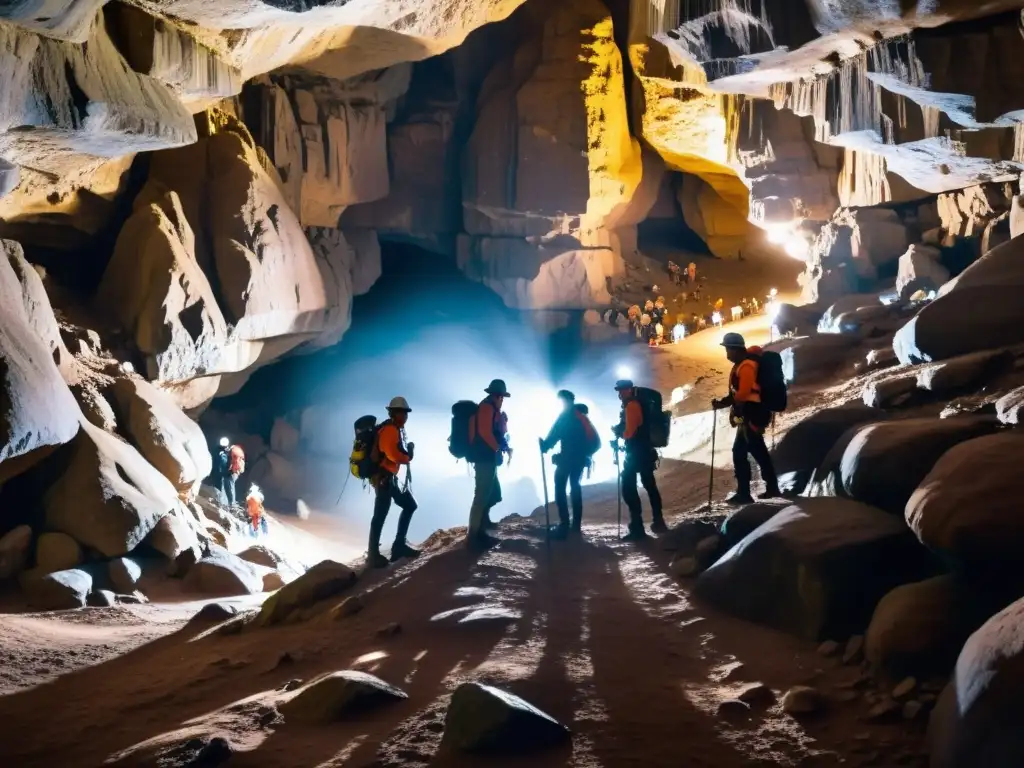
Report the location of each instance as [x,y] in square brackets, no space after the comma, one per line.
[678,332]
[624,372]
[773,292]
[787,235]
[716,318]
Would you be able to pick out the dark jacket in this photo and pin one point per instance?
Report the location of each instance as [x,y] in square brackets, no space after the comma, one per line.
[568,430]
[223,463]
[487,433]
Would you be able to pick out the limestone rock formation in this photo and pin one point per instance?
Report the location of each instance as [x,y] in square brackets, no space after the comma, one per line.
[15,547]
[221,573]
[979,309]
[864,469]
[974,721]
[818,567]
[920,270]
[56,552]
[965,508]
[801,450]
[166,437]
[108,497]
[37,410]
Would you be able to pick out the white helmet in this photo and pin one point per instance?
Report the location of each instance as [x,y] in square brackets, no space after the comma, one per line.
[224,442]
[255,492]
[399,404]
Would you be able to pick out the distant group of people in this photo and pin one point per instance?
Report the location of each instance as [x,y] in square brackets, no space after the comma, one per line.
[654,325]
[228,467]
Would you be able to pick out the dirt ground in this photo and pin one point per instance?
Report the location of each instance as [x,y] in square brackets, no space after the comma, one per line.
[596,632]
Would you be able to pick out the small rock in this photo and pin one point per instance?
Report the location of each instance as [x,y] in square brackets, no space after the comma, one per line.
[101,598]
[330,698]
[56,591]
[481,718]
[214,612]
[232,627]
[828,648]
[757,694]
[390,630]
[291,685]
[124,574]
[883,710]
[733,709]
[272,581]
[802,700]
[912,709]
[683,567]
[216,751]
[350,606]
[735,672]
[854,650]
[135,598]
[287,658]
[323,580]
[905,688]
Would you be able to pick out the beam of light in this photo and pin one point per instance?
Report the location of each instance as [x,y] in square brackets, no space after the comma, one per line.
[716,318]
[787,235]
[624,372]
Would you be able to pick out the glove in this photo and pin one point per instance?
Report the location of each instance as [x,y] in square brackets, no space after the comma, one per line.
[411,449]
[717,405]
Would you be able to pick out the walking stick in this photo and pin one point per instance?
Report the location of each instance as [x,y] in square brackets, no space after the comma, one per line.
[711,476]
[618,487]
[544,479]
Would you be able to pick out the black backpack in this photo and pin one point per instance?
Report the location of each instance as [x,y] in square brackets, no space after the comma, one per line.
[771,381]
[459,444]
[364,459]
[657,420]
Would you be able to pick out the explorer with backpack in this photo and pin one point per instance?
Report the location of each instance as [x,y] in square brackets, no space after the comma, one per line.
[643,427]
[579,442]
[378,453]
[757,391]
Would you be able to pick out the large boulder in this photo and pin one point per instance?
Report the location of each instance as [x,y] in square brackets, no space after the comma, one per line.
[15,546]
[57,552]
[979,309]
[829,321]
[802,448]
[959,373]
[806,358]
[155,287]
[918,629]
[745,520]
[883,463]
[1008,407]
[124,573]
[323,580]
[817,569]
[165,436]
[967,508]
[223,574]
[484,719]
[337,695]
[176,538]
[109,497]
[974,723]
[920,270]
[37,411]
[890,391]
[57,591]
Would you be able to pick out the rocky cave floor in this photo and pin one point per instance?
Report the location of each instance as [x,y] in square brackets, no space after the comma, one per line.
[607,638]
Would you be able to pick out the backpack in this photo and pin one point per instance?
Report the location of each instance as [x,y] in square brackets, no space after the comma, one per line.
[364,458]
[458,441]
[236,460]
[657,421]
[591,440]
[771,381]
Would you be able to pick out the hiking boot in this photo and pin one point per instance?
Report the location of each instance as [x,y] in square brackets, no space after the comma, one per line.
[658,526]
[376,560]
[770,493]
[739,499]
[576,528]
[403,550]
[637,534]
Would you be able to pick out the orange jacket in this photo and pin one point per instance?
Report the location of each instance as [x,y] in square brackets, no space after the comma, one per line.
[634,419]
[486,425]
[743,382]
[391,448]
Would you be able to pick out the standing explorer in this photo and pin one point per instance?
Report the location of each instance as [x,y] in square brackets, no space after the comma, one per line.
[640,461]
[756,389]
[488,442]
[392,453]
[579,442]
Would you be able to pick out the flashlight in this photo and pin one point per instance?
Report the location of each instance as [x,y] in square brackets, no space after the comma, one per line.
[716,318]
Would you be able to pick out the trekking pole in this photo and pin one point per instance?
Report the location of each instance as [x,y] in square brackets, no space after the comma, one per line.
[544,479]
[711,476]
[618,488]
